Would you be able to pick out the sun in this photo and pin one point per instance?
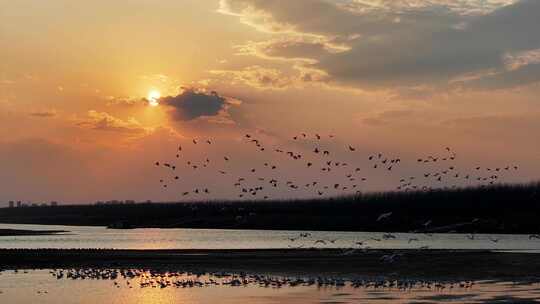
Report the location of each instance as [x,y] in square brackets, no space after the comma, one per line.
[153,98]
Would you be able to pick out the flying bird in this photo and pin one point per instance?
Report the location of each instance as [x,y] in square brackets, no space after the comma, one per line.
[384,216]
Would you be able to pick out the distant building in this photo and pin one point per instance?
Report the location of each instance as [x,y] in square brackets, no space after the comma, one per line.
[11,204]
[54,204]
[19,204]
[130,202]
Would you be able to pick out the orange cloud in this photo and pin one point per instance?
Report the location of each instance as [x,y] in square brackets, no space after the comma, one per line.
[50,113]
[103,121]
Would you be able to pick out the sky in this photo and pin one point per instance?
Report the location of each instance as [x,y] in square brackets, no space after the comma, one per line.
[94,93]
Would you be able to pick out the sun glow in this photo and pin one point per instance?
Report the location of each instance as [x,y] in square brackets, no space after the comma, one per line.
[153,98]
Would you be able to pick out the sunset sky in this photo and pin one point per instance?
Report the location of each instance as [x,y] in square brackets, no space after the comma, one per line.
[93,93]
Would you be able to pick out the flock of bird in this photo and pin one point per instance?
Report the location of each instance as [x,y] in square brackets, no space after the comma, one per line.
[332,175]
[142,278]
[327,173]
[305,240]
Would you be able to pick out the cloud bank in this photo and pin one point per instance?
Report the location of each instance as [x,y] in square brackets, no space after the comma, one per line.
[389,44]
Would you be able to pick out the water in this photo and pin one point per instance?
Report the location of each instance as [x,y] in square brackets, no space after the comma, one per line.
[150,238]
[43,286]
[40,286]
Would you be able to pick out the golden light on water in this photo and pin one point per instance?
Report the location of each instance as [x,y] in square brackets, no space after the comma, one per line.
[153,98]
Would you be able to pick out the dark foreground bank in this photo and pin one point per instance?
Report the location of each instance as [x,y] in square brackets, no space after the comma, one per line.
[423,264]
[496,209]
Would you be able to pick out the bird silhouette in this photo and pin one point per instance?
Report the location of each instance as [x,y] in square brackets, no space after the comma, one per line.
[384,216]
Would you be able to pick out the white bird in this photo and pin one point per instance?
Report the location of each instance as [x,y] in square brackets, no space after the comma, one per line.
[388,236]
[413,240]
[390,258]
[384,216]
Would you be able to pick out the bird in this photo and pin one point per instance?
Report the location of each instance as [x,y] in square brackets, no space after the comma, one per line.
[494,240]
[384,216]
[388,236]
[390,258]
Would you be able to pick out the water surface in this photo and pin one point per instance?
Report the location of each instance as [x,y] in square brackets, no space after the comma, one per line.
[153,238]
[42,287]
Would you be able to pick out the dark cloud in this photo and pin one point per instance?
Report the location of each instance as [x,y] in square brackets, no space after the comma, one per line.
[192,104]
[398,45]
[426,57]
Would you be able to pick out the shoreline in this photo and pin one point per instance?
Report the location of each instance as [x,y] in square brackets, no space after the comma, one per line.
[19,232]
[446,265]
